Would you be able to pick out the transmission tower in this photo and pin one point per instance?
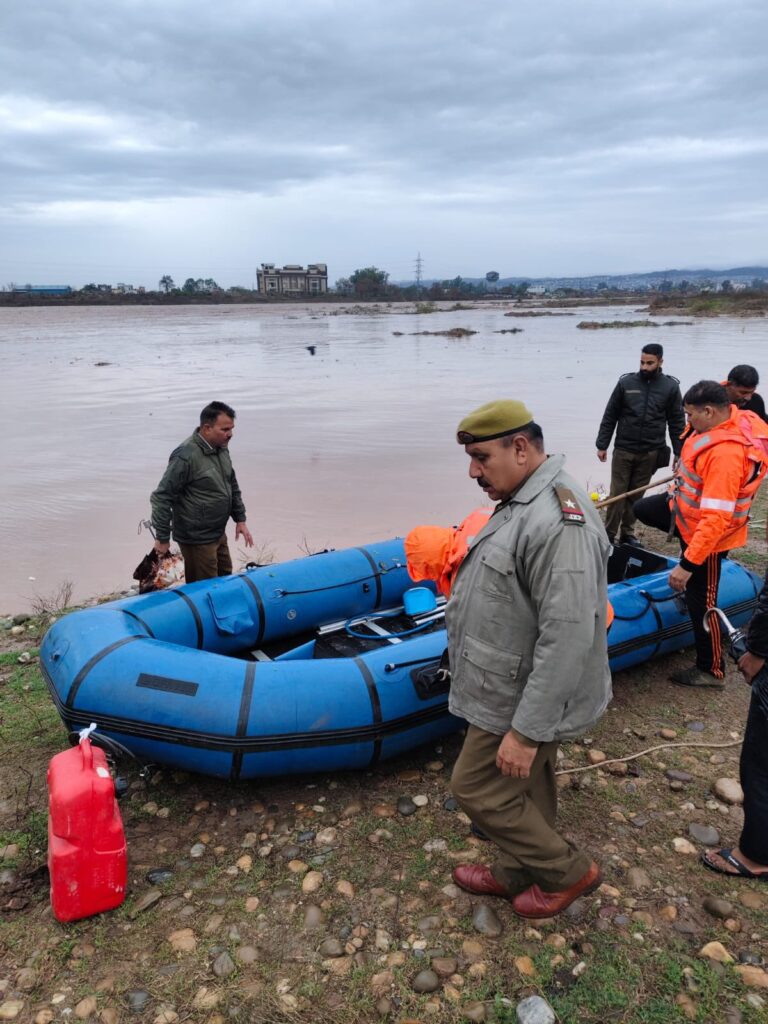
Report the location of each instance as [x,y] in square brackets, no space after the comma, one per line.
[417,268]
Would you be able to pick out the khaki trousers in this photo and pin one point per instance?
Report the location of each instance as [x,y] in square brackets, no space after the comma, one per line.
[628,470]
[206,561]
[518,815]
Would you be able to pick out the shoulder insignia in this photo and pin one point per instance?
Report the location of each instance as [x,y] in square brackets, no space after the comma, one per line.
[670,377]
[630,374]
[569,506]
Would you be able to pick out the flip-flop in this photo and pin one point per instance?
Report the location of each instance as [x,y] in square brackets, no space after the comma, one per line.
[742,871]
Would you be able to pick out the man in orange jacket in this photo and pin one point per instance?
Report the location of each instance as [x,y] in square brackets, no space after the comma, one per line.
[723,461]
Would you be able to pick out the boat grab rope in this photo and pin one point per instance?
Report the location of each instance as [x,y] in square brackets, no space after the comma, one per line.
[649,750]
[336,586]
[651,600]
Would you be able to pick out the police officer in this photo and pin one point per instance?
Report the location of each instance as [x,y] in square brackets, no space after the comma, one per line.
[528,652]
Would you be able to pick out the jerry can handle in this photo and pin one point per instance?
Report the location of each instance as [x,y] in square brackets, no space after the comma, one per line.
[85,746]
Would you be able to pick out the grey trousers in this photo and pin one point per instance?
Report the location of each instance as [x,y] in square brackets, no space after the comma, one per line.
[518,815]
[628,470]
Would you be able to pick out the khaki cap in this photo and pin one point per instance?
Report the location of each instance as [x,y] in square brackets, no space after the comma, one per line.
[492,420]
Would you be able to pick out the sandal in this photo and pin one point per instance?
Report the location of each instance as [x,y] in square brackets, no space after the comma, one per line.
[742,871]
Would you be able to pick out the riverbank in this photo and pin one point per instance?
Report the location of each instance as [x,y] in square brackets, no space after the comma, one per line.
[330,897]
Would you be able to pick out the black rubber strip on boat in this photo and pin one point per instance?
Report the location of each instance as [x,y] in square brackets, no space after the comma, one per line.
[376,573]
[77,681]
[373,693]
[243,716]
[195,615]
[141,622]
[260,605]
[167,684]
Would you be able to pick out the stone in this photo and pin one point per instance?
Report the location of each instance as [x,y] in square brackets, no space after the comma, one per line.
[472,950]
[728,790]
[677,776]
[716,951]
[435,846]
[384,810]
[26,979]
[450,804]
[205,998]
[223,965]
[330,947]
[717,907]
[668,913]
[351,810]
[421,800]
[638,878]
[159,876]
[145,902]
[85,1007]
[596,756]
[695,726]
[751,900]
[313,918]
[684,846]
[486,921]
[754,1000]
[183,940]
[525,966]
[686,1005]
[406,806]
[474,1011]
[312,881]
[754,977]
[444,966]
[297,867]
[11,1008]
[166,1015]
[535,1010]
[244,863]
[434,766]
[704,834]
[44,1017]
[327,836]
[197,851]
[137,999]
[425,981]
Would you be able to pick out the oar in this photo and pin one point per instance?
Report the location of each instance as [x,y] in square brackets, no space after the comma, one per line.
[630,494]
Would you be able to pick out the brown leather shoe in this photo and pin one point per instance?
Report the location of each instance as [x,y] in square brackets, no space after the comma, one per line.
[478,879]
[534,902]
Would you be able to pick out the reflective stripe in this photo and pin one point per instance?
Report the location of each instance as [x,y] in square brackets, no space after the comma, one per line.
[718,504]
[683,468]
[699,442]
[689,501]
[741,515]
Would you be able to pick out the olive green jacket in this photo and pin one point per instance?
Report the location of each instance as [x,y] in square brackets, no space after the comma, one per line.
[197,495]
[527,616]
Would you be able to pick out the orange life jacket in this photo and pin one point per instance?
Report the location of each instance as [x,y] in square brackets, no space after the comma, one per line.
[720,472]
[436,552]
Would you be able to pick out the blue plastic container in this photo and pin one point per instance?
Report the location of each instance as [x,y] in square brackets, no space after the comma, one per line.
[418,600]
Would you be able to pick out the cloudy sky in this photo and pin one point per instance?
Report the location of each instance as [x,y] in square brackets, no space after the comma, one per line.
[200,139]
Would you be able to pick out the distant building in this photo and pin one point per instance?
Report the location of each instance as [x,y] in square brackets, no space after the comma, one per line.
[292,279]
[42,289]
[536,289]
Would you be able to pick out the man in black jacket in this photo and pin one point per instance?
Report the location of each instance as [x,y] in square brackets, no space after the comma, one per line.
[742,389]
[641,408]
[750,858]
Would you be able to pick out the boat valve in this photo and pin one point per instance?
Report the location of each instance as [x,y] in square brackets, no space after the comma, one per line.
[736,638]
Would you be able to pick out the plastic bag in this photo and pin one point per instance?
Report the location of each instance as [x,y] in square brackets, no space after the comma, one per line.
[159,572]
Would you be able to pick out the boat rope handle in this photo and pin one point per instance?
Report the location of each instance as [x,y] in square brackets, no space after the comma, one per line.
[335,586]
[392,666]
[649,750]
[651,601]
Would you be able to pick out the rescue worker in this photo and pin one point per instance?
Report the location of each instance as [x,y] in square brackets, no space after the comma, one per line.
[197,496]
[641,408]
[722,464]
[741,386]
[528,653]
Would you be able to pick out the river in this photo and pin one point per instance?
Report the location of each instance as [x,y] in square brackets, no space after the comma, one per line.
[349,445]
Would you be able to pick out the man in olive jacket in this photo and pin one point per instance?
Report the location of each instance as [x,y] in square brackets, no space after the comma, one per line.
[641,408]
[529,660]
[198,494]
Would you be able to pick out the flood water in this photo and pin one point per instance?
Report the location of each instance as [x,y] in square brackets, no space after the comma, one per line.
[349,445]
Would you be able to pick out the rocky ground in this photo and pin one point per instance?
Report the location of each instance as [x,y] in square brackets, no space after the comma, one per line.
[330,897]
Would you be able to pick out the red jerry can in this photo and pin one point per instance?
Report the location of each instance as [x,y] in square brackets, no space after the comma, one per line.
[87,852]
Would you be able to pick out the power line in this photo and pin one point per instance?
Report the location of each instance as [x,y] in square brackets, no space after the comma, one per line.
[418,265]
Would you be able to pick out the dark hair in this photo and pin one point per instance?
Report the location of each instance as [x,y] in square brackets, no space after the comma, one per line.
[532,431]
[744,376]
[706,392]
[652,349]
[213,410]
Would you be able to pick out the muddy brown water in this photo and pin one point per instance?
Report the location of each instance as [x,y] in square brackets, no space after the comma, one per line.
[346,446]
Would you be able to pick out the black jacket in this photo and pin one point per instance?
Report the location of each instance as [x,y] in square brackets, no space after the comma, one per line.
[757,632]
[640,411]
[756,405]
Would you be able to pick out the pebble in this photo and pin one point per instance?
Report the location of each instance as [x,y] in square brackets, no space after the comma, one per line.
[312,881]
[313,918]
[728,790]
[306,836]
[638,878]
[197,851]
[668,913]
[474,1011]
[704,834]
[677,776]
[486,921]
[716,951]
[472,950]
[525,966]
[331,947]
[326,836]
[668,734]
[596,756]
[351,810]
[183,940]
[297,867]
[684,846]
[425,981]
[384,810]
[26,979]
[137,999]
[205,998]
[223,965]
[345,888]
[444,966]
[158,876]
[746,957]
[434,766]
[406,806]
[535,1010]
[421,800]
[435,846]
[754,977]
[751,900]
[44,1017]
[716,907]
[11,1009]
[450,804]
[695,726]
[166,1015]
[755,1000]
[247,954]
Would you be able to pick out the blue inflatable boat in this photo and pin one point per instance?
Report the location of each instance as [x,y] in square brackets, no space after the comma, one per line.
[312,665]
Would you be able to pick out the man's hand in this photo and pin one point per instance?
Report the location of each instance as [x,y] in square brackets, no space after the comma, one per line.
[162,548]
[241,530]
[515,758]
[750,665]
[602,455]
[678,578]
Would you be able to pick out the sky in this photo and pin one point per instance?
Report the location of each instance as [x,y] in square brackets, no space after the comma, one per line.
[194,139]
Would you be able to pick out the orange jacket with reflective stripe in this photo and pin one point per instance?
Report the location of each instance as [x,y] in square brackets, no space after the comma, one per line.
[436,552]
[719,474]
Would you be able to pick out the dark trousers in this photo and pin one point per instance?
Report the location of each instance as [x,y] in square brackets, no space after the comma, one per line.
[518,815]
[700,592]
[754,773]
[206,561]
[628,471]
